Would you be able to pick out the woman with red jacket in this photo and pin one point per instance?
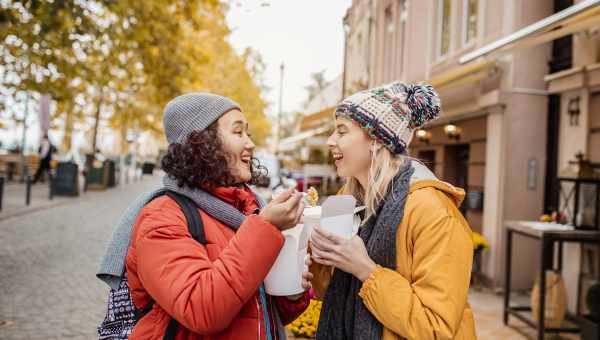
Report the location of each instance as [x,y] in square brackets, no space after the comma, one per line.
[215,290]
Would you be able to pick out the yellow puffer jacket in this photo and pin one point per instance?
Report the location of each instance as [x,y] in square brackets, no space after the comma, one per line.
[426,296]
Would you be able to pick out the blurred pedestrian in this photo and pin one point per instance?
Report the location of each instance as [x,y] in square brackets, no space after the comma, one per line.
[45,152]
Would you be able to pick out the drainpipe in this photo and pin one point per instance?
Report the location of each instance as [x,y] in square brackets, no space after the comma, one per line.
[346,37]
[370,41]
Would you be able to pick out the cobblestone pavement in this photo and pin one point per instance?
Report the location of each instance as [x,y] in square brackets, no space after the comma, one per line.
[13,199]
[48,259]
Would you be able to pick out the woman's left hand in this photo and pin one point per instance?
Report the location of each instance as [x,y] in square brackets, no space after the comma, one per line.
[348,255]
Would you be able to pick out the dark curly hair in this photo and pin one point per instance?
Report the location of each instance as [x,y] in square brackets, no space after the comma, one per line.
[201,162]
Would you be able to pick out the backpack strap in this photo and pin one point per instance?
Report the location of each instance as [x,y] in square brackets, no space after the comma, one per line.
[171,330]
[190,210]
[196,228]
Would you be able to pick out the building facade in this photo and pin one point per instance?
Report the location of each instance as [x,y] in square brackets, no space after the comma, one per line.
[504,133]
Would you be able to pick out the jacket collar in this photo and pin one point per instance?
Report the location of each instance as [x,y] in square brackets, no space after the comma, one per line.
[240,198]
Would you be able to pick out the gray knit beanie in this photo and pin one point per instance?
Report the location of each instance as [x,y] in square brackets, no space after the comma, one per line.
[193,112]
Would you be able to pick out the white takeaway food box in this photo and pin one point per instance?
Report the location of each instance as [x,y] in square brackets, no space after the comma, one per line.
[336,215]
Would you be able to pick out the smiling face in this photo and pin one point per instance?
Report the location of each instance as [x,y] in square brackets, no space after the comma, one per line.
[351,148]
[233,131]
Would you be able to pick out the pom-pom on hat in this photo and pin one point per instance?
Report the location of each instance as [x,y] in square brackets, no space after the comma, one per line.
[392,112]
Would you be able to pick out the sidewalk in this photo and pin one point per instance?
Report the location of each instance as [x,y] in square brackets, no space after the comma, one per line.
[13,200]
[487,310]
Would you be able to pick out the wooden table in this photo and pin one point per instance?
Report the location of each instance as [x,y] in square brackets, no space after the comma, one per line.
[12,165]
[547,241]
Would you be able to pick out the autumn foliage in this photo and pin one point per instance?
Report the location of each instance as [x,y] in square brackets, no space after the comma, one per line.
[123,60]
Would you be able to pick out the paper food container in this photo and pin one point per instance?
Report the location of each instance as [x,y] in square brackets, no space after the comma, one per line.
[285,277]
[337,215]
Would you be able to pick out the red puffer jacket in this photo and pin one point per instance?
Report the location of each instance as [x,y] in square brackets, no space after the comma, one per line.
[212,289]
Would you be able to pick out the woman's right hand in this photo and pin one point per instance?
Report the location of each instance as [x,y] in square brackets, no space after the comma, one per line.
[285,210]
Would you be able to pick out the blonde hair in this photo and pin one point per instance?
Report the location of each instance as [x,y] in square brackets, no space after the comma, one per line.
[384,167]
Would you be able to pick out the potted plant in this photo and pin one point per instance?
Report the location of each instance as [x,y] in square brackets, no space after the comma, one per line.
[480,244]
[590,324]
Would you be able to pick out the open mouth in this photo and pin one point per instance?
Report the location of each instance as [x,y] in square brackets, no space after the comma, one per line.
[246,159]
[337,156]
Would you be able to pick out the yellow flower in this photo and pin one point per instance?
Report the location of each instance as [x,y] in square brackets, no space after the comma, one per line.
[479,241]
[306,324]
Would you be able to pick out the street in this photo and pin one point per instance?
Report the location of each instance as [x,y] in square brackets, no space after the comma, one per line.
[48,259]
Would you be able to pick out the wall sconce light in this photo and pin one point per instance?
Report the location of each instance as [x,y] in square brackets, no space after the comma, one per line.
[423,136]
[452,131]
[574,111]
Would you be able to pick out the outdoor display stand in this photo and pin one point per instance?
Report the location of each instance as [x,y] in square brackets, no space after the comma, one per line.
[96,177]
[147,168]
[66,180]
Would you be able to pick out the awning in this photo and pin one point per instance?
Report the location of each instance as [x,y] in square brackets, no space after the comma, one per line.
[317,119]
[462,75]
[291,141]
[576,18]
[311,125]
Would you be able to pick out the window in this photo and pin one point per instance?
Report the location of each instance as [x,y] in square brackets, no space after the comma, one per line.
[445,7]
[470,20]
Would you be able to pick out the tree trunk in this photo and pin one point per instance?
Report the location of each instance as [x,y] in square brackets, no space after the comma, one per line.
[97,121]
[123,132]
[69,123]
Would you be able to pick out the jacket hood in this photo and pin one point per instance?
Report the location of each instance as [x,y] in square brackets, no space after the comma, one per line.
[424,178]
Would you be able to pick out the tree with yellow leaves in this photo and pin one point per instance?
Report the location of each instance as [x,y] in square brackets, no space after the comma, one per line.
[124,59]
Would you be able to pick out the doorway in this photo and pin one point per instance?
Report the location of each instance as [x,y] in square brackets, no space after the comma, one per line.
[456,168]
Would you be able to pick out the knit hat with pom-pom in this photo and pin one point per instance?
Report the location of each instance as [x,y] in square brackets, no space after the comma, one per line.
[392,112]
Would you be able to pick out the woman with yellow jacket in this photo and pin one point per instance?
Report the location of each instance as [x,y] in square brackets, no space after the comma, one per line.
[406,274]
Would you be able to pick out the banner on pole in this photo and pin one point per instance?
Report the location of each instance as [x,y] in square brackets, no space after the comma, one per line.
[44,114]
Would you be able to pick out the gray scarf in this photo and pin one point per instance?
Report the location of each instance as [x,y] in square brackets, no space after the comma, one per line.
[344,316]
[112,264]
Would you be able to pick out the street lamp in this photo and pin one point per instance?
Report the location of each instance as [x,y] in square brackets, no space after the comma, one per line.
[452,131]
[423,136]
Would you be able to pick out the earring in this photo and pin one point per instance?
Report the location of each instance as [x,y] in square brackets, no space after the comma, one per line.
[374,147]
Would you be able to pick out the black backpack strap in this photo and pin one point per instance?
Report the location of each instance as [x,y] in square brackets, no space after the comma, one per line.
[171,330]
[196,228]
[138,314]
[190,210]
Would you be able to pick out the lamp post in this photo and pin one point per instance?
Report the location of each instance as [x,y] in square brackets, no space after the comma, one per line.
[280,110]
